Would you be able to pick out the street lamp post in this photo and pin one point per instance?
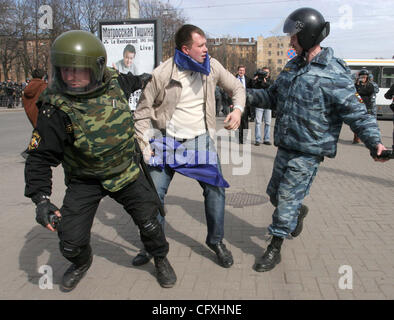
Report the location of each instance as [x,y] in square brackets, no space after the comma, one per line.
[133,9]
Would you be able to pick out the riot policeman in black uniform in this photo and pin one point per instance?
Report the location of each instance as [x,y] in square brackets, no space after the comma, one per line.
[85,124]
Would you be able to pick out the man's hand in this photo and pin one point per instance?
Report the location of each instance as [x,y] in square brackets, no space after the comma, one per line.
[233,120]
[43,210]
[379,149]
[147,153]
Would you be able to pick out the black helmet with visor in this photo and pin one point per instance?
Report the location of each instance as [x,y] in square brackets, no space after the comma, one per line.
[309,26]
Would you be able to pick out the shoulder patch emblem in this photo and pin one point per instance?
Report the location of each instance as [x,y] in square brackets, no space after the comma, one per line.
[35,140]
[359,98]
[48,111]
[69,128]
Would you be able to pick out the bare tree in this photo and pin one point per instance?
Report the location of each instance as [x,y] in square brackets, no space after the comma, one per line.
[8,33]
[24,45]
[172,19]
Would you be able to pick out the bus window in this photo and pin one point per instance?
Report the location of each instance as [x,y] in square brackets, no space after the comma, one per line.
[387,77]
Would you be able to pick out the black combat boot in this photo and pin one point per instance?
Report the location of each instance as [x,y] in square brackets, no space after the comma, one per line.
[143,257]
[224,255]
[303,212]
[165,273]
[271,256]
[74,274]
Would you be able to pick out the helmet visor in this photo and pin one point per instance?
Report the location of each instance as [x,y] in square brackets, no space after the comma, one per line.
[76,74]
[292,27]
[61,59]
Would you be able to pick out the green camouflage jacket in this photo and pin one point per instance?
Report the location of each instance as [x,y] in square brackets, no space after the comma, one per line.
[103,129]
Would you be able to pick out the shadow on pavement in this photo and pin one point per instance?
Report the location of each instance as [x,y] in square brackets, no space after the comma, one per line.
[40,241]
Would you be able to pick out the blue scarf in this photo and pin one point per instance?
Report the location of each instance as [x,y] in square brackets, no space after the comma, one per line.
[199,165]
[185,62]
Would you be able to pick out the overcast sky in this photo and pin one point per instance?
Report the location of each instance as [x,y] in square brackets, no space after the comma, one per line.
[359,29]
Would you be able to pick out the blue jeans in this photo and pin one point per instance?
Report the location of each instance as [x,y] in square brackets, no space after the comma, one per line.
[260,114]
[214,197]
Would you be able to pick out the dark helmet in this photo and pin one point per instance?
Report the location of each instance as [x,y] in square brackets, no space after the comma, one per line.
[363,72]
[309,25]
[78,49]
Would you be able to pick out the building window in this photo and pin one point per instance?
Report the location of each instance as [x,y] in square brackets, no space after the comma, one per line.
[269,53]
[269,45]
[280,61]
[269,61]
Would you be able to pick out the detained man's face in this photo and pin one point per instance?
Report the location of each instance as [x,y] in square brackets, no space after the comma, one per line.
[75,77]
[294,43]
[128,58]
[241,72]
[198,50]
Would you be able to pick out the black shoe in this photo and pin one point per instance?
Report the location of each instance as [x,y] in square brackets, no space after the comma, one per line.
[224,255]
[257,143]
[74,274]
[267,143]
[269,260]
[141,258]
[165,273]
[303,212]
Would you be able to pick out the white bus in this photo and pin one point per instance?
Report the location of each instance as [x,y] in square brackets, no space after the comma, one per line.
[383,74]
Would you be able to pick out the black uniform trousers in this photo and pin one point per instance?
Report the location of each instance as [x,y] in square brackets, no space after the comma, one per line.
[80,204]
[244,125]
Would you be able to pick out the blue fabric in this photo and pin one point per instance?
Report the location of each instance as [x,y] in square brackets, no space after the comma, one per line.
[313,101]
[201,165]
[185,62]
[291,180]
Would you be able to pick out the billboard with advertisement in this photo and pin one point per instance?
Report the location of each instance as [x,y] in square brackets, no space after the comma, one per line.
[132,45]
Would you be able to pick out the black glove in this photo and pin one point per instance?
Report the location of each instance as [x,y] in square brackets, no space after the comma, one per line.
[145,78]
[45,213]
[130,83]
[385,155]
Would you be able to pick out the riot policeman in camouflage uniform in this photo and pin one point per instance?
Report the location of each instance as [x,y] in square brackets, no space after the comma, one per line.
[85,124]
[314,95]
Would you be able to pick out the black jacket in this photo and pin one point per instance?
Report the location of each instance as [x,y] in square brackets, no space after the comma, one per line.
[390,95]
[366,92]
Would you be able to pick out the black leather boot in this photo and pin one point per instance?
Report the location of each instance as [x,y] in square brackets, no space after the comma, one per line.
[143,257]
[303,212]
[74,274]
[165,273]
[271,256]
[224,255]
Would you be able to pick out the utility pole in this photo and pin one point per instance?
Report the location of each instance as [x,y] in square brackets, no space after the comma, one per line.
[133,9]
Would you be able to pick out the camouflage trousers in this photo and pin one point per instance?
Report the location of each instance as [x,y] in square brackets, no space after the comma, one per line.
[290,182]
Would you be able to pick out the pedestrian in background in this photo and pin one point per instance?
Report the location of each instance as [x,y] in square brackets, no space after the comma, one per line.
[365,90]
[31,93]
[262,80]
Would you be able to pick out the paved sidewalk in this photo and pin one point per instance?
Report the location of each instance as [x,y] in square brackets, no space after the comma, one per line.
[350,223]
